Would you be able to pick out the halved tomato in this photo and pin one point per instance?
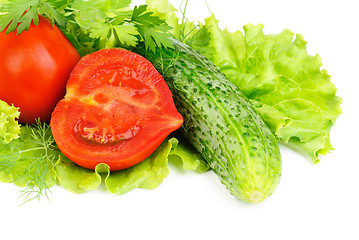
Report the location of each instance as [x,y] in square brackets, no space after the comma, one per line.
[117,110]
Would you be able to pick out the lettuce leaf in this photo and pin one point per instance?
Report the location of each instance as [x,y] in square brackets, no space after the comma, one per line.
[276,71]
[185,156]
[74,178]
[148,174]
[9,127]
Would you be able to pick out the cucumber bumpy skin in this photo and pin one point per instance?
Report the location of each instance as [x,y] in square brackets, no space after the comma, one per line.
[220,122]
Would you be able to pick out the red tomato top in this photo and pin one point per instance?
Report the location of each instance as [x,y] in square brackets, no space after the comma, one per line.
[34,69]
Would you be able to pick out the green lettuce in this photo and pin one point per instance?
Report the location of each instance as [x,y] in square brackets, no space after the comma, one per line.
[9,127]
[276,71]
[74,178]
[294,96]
[148,174]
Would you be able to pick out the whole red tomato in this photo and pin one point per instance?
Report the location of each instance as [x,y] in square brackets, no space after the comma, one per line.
[34,68]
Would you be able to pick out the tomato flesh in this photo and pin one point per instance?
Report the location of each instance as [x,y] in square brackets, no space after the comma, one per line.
[117,110]
[34,69]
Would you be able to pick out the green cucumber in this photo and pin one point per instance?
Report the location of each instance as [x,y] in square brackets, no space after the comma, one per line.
[220,122]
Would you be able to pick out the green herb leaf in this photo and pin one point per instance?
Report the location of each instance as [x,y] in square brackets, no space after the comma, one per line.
[113,24]
[125,33]
[11,13]
[28,161]
[90,24]
[102,24]
[194,34]
[164,10]
[19,14]
[152,29]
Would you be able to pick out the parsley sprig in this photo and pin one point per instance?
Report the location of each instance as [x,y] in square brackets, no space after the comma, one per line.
[152,29]
[19,14]
[90,24]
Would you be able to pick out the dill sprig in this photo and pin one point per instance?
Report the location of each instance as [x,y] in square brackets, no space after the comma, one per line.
[30,160]
[194,34]
[161,62]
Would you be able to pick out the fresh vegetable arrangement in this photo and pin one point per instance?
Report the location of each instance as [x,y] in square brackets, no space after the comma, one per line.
[238,93]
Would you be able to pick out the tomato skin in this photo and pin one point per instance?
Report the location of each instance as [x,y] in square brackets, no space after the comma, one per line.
[117,110]
[34,69]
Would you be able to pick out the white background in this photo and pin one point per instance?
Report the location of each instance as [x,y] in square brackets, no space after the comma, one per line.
[312,201]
